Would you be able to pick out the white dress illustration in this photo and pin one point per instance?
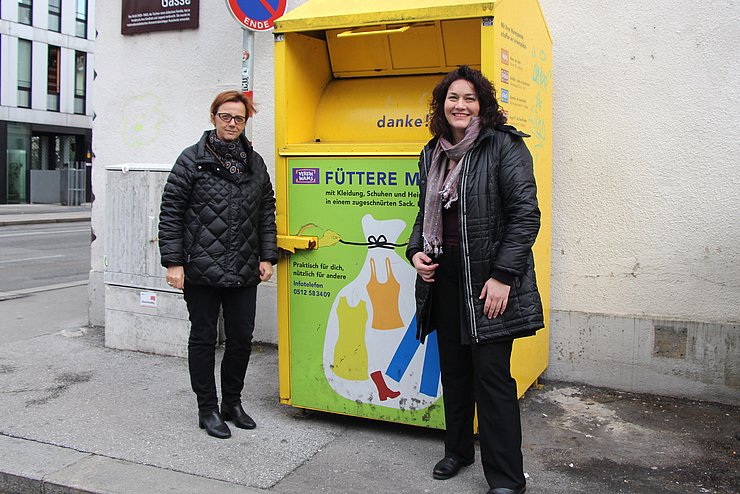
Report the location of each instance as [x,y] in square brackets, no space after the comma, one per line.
[371,354]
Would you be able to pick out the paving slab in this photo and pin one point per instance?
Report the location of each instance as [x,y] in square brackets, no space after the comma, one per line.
[26,464]
[98,474]
[28,214]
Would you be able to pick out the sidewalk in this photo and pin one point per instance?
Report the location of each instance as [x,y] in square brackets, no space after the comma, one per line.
[27,214]
[82,418]
[77,417]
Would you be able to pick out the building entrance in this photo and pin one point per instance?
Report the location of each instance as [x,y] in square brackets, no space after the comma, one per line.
[45,164]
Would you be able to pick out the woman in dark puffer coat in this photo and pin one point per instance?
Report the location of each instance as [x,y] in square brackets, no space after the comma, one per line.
[217,239]
[471,246]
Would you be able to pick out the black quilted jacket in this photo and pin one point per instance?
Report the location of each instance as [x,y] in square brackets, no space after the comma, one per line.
[218,226]
[499,221]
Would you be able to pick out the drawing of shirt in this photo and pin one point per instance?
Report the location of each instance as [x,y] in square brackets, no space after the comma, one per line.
[350,354]
[384,298]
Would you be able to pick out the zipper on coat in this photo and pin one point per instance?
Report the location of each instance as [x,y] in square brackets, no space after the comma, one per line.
[467,278]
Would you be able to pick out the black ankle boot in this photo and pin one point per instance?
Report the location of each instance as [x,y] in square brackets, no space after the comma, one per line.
[213,424]
[448,467]
[236,414]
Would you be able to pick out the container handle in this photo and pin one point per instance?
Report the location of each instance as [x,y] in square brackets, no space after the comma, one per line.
[350,33]
[291,243]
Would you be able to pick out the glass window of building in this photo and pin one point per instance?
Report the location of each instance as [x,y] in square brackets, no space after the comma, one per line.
[52,79]
[55,15]
[18,156]
[24,73]
[25,11]
[81,19]
[80,80]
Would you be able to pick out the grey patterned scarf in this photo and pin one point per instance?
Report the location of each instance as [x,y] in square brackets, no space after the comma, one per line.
[441,191]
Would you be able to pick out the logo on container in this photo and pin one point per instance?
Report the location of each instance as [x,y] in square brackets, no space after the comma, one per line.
[305,175]
[504,95]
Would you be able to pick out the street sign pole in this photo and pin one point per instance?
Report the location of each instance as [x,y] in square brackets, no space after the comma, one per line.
[253,15]
[248,72]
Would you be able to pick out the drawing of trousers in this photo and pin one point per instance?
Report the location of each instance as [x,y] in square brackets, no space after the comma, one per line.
[406,351]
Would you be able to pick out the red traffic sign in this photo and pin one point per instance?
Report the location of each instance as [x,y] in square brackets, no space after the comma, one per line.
[257,15]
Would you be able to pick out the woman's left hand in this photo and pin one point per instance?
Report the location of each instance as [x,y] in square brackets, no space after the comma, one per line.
[265,270]
[496,295]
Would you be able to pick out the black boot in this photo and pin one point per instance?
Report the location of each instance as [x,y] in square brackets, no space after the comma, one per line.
[214,425]
[447,467]
[506,490]
[236,414]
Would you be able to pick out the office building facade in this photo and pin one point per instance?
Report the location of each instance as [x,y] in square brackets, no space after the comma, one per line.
[46,55]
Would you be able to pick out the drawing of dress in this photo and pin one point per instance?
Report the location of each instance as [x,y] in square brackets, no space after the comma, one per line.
[401,373]
[350,354]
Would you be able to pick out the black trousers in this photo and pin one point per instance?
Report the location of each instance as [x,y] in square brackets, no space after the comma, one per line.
[476,374]
[239,309]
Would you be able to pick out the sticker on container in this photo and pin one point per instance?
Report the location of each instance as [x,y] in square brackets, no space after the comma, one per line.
[148,299]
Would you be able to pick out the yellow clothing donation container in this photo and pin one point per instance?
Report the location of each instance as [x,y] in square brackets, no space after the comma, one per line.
[353,81]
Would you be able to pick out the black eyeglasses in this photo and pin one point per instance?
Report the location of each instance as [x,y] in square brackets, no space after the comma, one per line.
[227,117]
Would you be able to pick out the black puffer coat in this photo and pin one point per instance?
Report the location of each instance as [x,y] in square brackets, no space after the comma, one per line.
[218,226]
[499,221]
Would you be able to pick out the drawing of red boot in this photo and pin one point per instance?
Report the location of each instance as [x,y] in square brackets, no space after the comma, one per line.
[384,392]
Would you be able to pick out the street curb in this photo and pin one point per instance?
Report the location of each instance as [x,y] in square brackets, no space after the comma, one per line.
[38,221]
[69,471]
[30,291]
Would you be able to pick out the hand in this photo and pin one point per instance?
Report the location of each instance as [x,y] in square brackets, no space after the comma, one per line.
[424,266]
[176,277]
[265,270]
[496,295]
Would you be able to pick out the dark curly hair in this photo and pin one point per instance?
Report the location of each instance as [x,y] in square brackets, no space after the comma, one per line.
[490,112]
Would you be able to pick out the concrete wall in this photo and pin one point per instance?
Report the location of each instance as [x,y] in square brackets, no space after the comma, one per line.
[645,195]
[646,241]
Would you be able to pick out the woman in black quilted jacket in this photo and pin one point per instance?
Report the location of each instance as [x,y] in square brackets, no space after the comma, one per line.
[217,239]
[471,246]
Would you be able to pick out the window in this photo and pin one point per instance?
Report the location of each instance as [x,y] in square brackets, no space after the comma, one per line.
[55,15]
[24,73]
[18,158]
[25,11]
[81,19]
[80,80]
[52,79]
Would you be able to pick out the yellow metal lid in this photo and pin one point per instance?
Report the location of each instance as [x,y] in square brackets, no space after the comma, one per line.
[332,14]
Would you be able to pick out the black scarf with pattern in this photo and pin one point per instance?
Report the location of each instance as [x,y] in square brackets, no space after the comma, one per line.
[231,154]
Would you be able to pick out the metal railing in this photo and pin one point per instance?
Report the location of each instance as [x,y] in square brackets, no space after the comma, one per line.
[76,178]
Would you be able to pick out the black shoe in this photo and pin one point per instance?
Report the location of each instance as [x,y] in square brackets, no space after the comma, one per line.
[236,414]
[448,467]
[506,490]
[214,425]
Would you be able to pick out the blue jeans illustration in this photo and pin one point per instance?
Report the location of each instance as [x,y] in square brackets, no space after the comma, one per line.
[405,353]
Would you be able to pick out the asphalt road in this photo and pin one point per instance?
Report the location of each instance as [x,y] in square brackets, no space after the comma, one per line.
[37,256]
